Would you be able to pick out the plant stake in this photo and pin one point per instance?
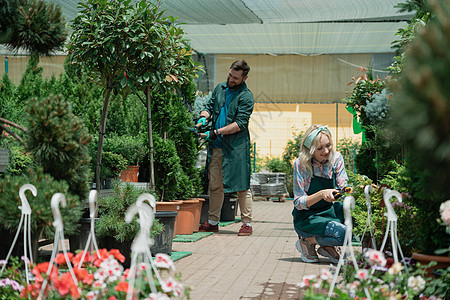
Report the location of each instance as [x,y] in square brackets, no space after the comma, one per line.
[26,214]
[349,204]
[91,238]
[59,236]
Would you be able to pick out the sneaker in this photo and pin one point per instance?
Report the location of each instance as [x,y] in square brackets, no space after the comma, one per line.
[307,250]
[245,230]
[206,227]
[329,252]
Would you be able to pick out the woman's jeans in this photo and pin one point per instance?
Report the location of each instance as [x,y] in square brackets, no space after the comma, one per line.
[334,234]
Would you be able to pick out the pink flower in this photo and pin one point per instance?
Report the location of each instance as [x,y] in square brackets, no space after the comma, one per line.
[163,261]
[375,257]
[172,286]
[307,281]
[362,274]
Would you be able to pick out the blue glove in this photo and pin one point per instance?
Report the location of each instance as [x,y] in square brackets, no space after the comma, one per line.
[210,135]
[202,120]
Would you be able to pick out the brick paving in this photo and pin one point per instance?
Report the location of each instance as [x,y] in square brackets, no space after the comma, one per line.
[265,265]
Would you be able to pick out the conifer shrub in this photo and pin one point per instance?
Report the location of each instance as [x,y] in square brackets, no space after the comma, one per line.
[41,213]
[59,142]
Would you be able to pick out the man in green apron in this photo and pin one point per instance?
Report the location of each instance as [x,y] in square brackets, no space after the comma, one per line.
[318,173]
[228,162]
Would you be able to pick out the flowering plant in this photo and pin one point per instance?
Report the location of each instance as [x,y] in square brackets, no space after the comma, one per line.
[444,210]
[10,286]
[101,276]
[377,277]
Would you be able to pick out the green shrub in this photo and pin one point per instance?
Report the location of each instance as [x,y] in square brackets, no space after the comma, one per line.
[112,164]
[59,142]
[112,210]
[129,147]
[421,117]
[275,165]
[19,160]
[406,212]
[41,216]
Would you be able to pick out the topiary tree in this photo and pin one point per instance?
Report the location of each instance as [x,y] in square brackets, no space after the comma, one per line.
[59,142]
[129,47]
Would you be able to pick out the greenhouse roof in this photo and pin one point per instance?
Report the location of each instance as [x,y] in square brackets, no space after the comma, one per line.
[305,27]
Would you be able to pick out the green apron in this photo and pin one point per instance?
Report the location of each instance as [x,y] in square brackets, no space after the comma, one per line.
[316,219]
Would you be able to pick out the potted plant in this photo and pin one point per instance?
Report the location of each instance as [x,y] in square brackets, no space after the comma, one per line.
[112,165]
[377,277]
[132,149]
[114,232]
[100,276]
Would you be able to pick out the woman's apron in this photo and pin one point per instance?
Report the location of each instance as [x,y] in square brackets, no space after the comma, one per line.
[316,219]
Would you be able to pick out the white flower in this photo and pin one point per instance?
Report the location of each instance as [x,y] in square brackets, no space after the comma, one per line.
[444,209]
[163,261]
[325,274]
[362,274]
[417,283]
[395,268]
[307,280]
[172,286]
[110,269]
[157,296]
[317,284]
[375,257]
[2,262]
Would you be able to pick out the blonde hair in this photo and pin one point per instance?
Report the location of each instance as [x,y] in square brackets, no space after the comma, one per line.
[306,154]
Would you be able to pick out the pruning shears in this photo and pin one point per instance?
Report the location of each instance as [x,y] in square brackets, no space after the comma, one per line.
[195,129]
[339,193]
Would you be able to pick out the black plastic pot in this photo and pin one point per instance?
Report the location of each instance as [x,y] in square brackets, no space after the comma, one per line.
[228,212]
[163,241]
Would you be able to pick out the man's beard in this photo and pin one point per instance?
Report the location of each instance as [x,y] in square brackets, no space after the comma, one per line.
[235,87]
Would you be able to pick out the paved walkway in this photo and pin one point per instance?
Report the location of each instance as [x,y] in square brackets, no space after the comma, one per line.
[265,265]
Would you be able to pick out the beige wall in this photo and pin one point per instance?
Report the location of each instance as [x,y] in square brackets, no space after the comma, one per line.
[52,65]
[295,78]
[273,125]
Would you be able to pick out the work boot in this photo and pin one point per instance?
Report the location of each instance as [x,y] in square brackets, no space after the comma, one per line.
[245,230]
[206,227]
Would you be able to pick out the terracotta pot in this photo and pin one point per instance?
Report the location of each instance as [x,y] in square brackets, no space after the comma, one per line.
[170,206]
[185,219]
[197,213]
[424,259]
[130,174]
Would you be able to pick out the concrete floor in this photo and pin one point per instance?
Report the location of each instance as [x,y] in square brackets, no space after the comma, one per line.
[265,265]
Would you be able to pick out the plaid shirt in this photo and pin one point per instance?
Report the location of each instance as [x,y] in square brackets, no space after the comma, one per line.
[302,179]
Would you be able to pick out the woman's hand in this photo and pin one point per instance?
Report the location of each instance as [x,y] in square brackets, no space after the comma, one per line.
[327,194]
